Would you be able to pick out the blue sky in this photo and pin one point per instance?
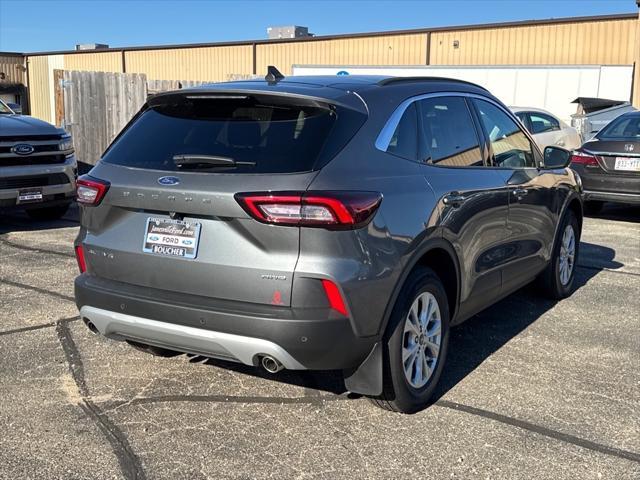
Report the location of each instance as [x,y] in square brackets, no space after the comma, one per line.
[28,26]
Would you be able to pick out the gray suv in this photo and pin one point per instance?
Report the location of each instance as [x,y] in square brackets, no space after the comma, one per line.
[37,166]
[321,223]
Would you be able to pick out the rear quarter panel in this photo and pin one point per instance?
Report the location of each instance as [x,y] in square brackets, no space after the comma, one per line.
[368,263]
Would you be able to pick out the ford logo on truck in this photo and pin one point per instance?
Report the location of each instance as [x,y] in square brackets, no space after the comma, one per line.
[168,180]
[22,149]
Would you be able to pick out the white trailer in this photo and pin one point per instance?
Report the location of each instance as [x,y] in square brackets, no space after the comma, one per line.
[551,87]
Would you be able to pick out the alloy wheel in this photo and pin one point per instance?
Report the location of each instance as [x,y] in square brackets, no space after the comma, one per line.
[421,340]
[567,255]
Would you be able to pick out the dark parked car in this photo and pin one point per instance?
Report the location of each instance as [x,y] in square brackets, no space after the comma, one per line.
[37,166]
[328,223]
[609,164]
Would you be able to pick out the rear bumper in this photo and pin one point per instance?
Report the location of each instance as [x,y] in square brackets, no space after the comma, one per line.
[194,340]
[301,339]
[608,186]
[611,197]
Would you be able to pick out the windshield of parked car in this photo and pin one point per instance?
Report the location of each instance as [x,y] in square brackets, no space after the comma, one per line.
[4,109]
[622,128]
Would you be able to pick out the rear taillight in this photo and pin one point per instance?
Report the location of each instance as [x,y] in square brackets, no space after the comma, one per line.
[82,264]
[339,210]
[582,158]
[334,296]
[90,191]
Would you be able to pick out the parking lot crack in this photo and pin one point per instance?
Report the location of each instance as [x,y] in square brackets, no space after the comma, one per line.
[610,270]
[17,246]
[130,464]
[70,349]
[39,327]
[540,430]
[36,289]
[316,400]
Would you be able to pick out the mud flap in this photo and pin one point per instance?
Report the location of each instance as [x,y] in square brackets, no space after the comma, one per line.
[367,378]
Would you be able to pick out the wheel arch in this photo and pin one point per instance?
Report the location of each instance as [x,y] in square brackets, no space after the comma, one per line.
[435,253]
[575,205]
[441,257]
[572,204]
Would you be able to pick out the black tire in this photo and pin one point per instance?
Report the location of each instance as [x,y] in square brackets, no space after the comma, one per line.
[549,280]
[155,351]
[592,207]
[398,394]
[48,213]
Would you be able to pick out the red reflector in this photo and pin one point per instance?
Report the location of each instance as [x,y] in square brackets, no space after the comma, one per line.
[338,210]
[90,191]
[583,159]
[334,297]
[277,298]
[82,265]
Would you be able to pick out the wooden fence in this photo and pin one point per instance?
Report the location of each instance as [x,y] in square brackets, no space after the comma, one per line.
[95,106]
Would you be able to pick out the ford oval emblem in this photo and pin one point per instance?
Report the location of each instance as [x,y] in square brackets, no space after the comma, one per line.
[22,149]
[168,180]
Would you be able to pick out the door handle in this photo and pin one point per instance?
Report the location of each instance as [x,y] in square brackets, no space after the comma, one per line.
[454,199]
[560,143]
[520,192]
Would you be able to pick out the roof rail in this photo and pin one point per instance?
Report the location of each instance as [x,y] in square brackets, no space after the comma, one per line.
[392,80]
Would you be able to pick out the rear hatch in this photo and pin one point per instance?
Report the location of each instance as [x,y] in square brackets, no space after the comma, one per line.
[173,175]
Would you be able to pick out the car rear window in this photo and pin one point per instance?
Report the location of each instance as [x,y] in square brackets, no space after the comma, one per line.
[625,128]
[262,134]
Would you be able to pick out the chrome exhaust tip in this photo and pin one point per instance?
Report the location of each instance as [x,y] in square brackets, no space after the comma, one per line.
[91,326]
[270,364]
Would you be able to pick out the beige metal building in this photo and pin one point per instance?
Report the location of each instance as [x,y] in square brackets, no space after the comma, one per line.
[13,77]
[601,40]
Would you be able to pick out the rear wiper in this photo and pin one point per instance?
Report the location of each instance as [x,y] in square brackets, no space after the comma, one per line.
[209,161]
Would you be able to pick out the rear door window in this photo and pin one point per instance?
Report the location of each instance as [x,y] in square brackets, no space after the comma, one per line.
[261,134]
[447,135]
[541,123]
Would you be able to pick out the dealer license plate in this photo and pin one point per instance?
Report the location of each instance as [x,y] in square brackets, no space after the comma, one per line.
[175,238]
[29,195]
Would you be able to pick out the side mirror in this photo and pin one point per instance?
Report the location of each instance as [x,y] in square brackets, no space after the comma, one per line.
[556,157]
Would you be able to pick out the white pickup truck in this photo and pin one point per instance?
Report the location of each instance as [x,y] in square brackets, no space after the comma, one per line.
[594,113]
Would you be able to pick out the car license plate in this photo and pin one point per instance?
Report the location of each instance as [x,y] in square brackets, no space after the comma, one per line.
[175,238]
[629,164]
[29,195]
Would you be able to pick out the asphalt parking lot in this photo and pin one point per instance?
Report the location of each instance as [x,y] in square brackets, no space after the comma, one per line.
[533,389]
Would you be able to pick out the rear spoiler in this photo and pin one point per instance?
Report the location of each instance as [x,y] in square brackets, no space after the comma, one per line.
[291,95]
